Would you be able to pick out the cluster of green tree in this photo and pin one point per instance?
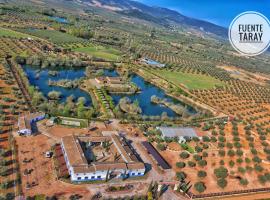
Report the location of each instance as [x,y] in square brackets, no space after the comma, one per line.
[66,83]
[49,61]
[68,109]
[127,106]
[84,33]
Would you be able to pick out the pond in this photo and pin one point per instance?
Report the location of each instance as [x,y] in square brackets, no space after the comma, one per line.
[63,73]
[59,19]
[144,98]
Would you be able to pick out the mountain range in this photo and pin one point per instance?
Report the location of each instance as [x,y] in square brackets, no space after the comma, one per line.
[158,15]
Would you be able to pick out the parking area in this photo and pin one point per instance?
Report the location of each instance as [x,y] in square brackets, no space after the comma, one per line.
[37,171]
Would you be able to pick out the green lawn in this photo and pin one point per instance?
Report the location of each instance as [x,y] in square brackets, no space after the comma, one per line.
[52,35]
[11,33]
[100,52]
[191,81]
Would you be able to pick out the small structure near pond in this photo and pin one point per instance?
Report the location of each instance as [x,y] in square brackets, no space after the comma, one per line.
[27,123]
[151,62]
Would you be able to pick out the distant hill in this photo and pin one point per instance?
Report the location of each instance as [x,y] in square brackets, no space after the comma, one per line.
[162,16]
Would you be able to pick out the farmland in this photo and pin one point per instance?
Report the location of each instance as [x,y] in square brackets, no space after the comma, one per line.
[100,52]
[53,36]
[85,67]
[10,33]
[191,81]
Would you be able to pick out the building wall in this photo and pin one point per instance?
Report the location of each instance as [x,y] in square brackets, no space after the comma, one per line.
[25,131]
[98,175]
[101,175]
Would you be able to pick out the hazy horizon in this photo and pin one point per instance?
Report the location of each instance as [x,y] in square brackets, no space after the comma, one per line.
[221,13]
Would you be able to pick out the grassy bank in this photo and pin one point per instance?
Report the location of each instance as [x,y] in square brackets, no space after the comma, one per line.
[100,52]
[191,81]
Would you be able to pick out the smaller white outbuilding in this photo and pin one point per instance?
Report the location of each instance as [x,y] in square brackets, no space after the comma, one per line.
[180,132]
[26,123]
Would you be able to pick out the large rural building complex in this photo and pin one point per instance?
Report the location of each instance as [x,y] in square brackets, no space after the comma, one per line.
[100,157]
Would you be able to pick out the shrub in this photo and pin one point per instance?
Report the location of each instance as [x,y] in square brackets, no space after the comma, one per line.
[221,162]
[262,179]
[231,153]
[221,152]
[241,170]
[206,139]
[239,152]
[237,145]
[243,181]
[229,145]
[180,164]
[184,155]
[221,139]
[258,168]
[202,163]
[198,149]
[222,182]
[205,154]
[181,175]
[267,175]
[213,139]
[231,163]
[221,145]
[200,187]
[205,146]
[221,172]
[161,147]
[195,139]
[247,160]
[253,151]
[197,157]
[202,174]
[239,160]
[191,164]
[248,168]
[257,159]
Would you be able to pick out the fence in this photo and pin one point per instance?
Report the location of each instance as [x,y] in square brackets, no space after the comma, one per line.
[219,194]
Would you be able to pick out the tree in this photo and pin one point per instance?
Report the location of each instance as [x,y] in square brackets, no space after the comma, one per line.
[197,157]
[221,172]
[54,95]
[257,159]
[180,164]
[200,187]
[243,181]
[184,155]
[202,163]
[231,163]
[201,174]
[222,182]
[231,153]
[161,147]
[191,164]
[181,175]
[262,179]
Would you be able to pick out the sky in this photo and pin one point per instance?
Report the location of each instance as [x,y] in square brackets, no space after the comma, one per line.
[220,12]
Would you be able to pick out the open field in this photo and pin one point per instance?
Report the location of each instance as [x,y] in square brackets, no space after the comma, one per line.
[100,52]
[42,176]
[52,35]
[191,81]
[10,33]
